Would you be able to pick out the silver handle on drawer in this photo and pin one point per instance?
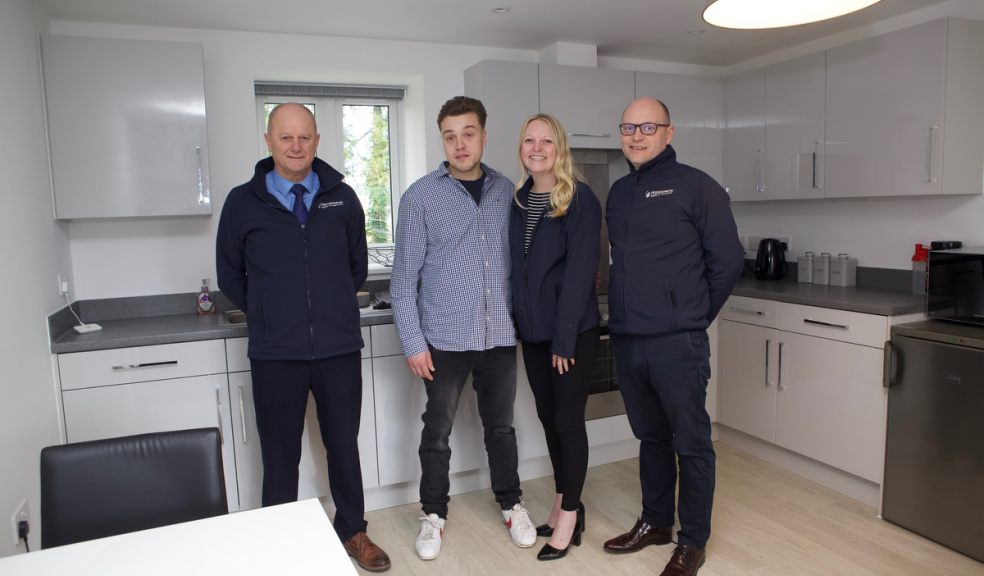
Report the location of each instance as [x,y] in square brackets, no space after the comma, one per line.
[746,311]
[931,156]
[218,412]
[144,365]
[779,385]
[827,324]
[768,343]
[887,364]
[242,413]
[590,134]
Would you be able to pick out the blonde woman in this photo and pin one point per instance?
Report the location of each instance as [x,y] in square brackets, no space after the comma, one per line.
[554,232]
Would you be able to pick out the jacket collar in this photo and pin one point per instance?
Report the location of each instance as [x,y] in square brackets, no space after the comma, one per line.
[328,176]
[665,158]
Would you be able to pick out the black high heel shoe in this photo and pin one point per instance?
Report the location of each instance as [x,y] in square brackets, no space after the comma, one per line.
[548,552]
[547,530]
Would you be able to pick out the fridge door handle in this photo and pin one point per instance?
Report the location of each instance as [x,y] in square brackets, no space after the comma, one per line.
[887,358]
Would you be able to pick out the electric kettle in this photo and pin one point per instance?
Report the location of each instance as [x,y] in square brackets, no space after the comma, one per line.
[770,263]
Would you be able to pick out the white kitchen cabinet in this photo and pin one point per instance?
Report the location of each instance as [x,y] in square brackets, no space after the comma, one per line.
[744,135]
[587,101]
[695,105]
[510,93]
[400,402]
[313,468]
[903,112]
[96,407]
[807,379]
[144,103]
[794,128]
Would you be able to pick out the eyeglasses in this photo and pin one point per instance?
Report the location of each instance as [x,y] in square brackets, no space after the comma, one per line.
[648,128]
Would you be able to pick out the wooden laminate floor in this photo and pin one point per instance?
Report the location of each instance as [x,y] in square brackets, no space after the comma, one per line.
[767,522]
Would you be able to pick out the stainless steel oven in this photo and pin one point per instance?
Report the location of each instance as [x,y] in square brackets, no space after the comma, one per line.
[604,398]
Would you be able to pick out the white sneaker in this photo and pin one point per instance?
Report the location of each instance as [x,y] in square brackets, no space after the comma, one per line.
[429,539]
[521,528]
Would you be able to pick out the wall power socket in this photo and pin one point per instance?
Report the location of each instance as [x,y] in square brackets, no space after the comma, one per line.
[21,513]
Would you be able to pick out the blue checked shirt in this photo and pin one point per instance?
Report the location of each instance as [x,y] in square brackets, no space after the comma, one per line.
[459,253]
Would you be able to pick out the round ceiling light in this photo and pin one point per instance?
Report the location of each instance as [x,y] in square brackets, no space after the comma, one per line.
[759,14]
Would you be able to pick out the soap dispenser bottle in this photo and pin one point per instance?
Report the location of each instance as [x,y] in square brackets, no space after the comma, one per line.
[206,305]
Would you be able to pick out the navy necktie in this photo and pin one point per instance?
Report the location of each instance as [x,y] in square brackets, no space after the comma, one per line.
[300,209]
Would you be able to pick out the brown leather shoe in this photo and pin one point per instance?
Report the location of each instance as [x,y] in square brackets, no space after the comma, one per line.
[684,562]
[641,535]
[369,556]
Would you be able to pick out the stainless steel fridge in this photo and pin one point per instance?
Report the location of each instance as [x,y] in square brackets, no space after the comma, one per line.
[934,458]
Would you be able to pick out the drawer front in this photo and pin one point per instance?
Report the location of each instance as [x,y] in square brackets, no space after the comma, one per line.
[236,354]
[752,311]
[842,325]
[237,349]
[141,364]
[385,341]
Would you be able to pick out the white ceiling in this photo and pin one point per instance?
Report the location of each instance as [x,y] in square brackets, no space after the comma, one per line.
[648,29]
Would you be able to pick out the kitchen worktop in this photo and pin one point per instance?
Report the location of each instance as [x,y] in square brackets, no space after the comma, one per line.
[868,300]
[147,331]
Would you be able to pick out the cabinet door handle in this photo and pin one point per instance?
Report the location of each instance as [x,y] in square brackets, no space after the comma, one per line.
[887,364]
[218,412]
[779,385]
[816,152]
[242,414]
[591,134]
[746,311]
[768,343]
[759,184]
[827,324]
[144,365]
[203,197]
[931,156]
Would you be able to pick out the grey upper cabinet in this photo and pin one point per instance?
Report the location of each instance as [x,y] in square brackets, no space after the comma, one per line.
[794,128]
[126,121]
[903,112]
[587,101]
[695,105]
[744,135]
[510,94]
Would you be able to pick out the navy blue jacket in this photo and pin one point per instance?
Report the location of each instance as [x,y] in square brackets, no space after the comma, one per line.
[295,283]
[675,249]
[553,286]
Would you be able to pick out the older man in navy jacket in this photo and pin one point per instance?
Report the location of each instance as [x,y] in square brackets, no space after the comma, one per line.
[291,252]
[675,258]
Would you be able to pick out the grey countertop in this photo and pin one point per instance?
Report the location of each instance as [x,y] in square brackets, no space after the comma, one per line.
[167,329]
[147,331]
[878,301]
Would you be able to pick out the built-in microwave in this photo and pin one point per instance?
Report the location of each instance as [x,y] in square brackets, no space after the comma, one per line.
[956,285]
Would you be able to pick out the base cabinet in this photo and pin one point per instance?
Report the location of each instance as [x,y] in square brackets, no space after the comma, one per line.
[812,394]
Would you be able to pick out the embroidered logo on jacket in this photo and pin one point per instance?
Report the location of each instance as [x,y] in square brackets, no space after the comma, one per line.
[332,204]
[657,193]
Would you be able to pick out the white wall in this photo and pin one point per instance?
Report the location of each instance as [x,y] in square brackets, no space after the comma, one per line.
[33,249]
[879,232]
[168,255]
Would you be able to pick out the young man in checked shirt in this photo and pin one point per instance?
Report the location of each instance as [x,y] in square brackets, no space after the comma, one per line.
[451,306]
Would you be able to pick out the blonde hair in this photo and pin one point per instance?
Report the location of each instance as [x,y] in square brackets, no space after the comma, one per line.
[564,171]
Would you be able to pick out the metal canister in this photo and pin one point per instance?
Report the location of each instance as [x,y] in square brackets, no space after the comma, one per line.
[843,270]
[821,269]
[804,267]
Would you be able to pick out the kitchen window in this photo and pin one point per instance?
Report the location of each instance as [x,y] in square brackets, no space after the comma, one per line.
[360,137]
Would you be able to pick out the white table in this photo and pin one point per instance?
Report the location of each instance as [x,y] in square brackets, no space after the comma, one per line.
[294,538]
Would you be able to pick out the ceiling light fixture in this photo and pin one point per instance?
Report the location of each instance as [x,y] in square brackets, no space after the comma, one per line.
[759,14]
[500,10]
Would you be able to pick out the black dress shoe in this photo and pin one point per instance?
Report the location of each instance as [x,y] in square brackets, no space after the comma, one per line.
[548,552]
[686,560]
[547,530]
[641,535]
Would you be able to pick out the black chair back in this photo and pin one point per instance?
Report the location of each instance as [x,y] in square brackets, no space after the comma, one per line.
[118,485]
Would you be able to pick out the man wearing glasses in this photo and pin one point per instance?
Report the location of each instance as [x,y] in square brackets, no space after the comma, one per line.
[675,258]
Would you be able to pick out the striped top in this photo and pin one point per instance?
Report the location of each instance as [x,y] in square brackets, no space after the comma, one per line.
[535,206]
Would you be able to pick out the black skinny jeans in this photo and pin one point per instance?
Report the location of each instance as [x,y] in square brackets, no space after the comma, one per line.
[560,402]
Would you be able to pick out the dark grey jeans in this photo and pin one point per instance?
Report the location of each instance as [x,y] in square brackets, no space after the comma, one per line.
[494,380]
